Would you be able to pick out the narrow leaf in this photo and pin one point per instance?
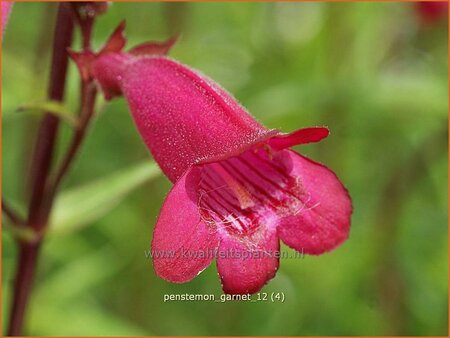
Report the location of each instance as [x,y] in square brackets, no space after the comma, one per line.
[83,205]
[51,107]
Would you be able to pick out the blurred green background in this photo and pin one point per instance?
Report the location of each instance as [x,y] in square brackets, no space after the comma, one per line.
[375,73]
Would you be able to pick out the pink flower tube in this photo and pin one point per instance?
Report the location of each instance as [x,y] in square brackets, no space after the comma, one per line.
[238,188]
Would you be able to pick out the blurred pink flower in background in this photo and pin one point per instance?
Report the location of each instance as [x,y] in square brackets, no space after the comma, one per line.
[431,12]
[6,9]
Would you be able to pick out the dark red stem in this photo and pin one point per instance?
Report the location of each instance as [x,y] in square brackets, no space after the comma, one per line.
[89,93]
[48,130]
[28,253]
[42,161]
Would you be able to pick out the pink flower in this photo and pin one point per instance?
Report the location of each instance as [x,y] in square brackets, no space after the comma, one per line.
[238,188]
[431,12]
[6,9]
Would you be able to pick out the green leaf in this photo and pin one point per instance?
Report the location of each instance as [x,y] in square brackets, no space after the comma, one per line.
[22,233]
[83,205]
[91,270]
[52,107]
[87,318]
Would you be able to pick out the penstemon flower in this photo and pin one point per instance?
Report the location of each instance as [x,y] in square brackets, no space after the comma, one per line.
[238,188]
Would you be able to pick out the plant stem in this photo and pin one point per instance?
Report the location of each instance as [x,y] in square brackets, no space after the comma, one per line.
[28,253]
[42,160]
[48,130]
[89,93]
[43,188]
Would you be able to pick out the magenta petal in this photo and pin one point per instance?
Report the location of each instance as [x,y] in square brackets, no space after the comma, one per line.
[116,41]
[300,136]
[185,118]
[183,245]
[245,266]
[154,48]
[324,221]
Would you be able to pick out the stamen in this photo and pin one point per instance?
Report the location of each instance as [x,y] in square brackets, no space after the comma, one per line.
[246,193]
[243,196]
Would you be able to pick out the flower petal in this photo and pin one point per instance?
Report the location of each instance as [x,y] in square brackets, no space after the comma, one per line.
[244,267]
[183,117]
[324,221]
[116,42]
[300,136]
[154,48]
[183,245]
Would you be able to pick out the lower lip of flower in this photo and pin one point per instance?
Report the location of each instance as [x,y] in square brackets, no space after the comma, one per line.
[247,193]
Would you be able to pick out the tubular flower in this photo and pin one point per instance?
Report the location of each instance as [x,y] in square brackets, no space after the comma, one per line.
[238,188]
